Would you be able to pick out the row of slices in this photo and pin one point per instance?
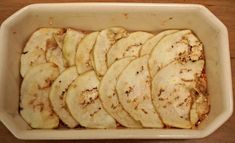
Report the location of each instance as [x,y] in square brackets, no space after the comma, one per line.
[110,77]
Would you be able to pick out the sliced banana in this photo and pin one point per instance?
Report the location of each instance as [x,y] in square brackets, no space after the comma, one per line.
[180,45]
[35,106]
[105,40]
[133,88]
[34,50]
[171,92]
[57,96]
[151,43]
[128,46]
[109,96]
[83,59]
[70,43]
[83,102]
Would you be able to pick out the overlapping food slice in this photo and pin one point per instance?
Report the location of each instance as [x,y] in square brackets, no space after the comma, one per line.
[199,109]
[34,50]
[54,55]
[105,40]
[152,42]
[109,97]
[174,90]
[84,103]
[133,88]
[71,39]
[128,46]
[35,107]
[83,56]
[59,38]
[183,44]
[58,94]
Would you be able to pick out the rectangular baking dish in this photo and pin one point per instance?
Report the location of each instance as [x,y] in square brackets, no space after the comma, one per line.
[133,16]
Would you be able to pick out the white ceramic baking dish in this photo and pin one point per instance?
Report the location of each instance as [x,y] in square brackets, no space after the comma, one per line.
[94,16]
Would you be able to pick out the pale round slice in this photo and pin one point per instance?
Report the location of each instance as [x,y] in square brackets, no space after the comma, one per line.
[30,59]
[171,92]
[59,38]
[58,93]
[39,39]
[173,104]
[83,59]
[133,88]
[128,46]
[151,43]
[177,72]
[71,39]
[35,105]
[105,40]
[109,98]
[199,109]
[182,45]
[84,104]
[54,55]
[34,50]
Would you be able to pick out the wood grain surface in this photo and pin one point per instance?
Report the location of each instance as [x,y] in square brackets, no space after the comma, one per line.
[224,10]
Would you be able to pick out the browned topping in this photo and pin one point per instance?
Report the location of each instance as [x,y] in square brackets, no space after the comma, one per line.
[31,102]
[180,104]
[177,97]
[201,85]
[187,80]
[61,97]
[130,89]
[145,112]
[47,84]
[160,92]
[145,97]
[39,106]
[31,63]
[131,48]
[125,15]
[90,100]
[114,106]
[168,102]
[185,70]
[51,43]
[135,99]
[136,107]
[25,52]
[92,114]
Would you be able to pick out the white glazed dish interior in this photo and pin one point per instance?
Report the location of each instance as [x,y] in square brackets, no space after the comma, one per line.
[95,16]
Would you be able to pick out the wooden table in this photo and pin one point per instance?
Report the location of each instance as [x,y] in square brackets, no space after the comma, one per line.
[224,10]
